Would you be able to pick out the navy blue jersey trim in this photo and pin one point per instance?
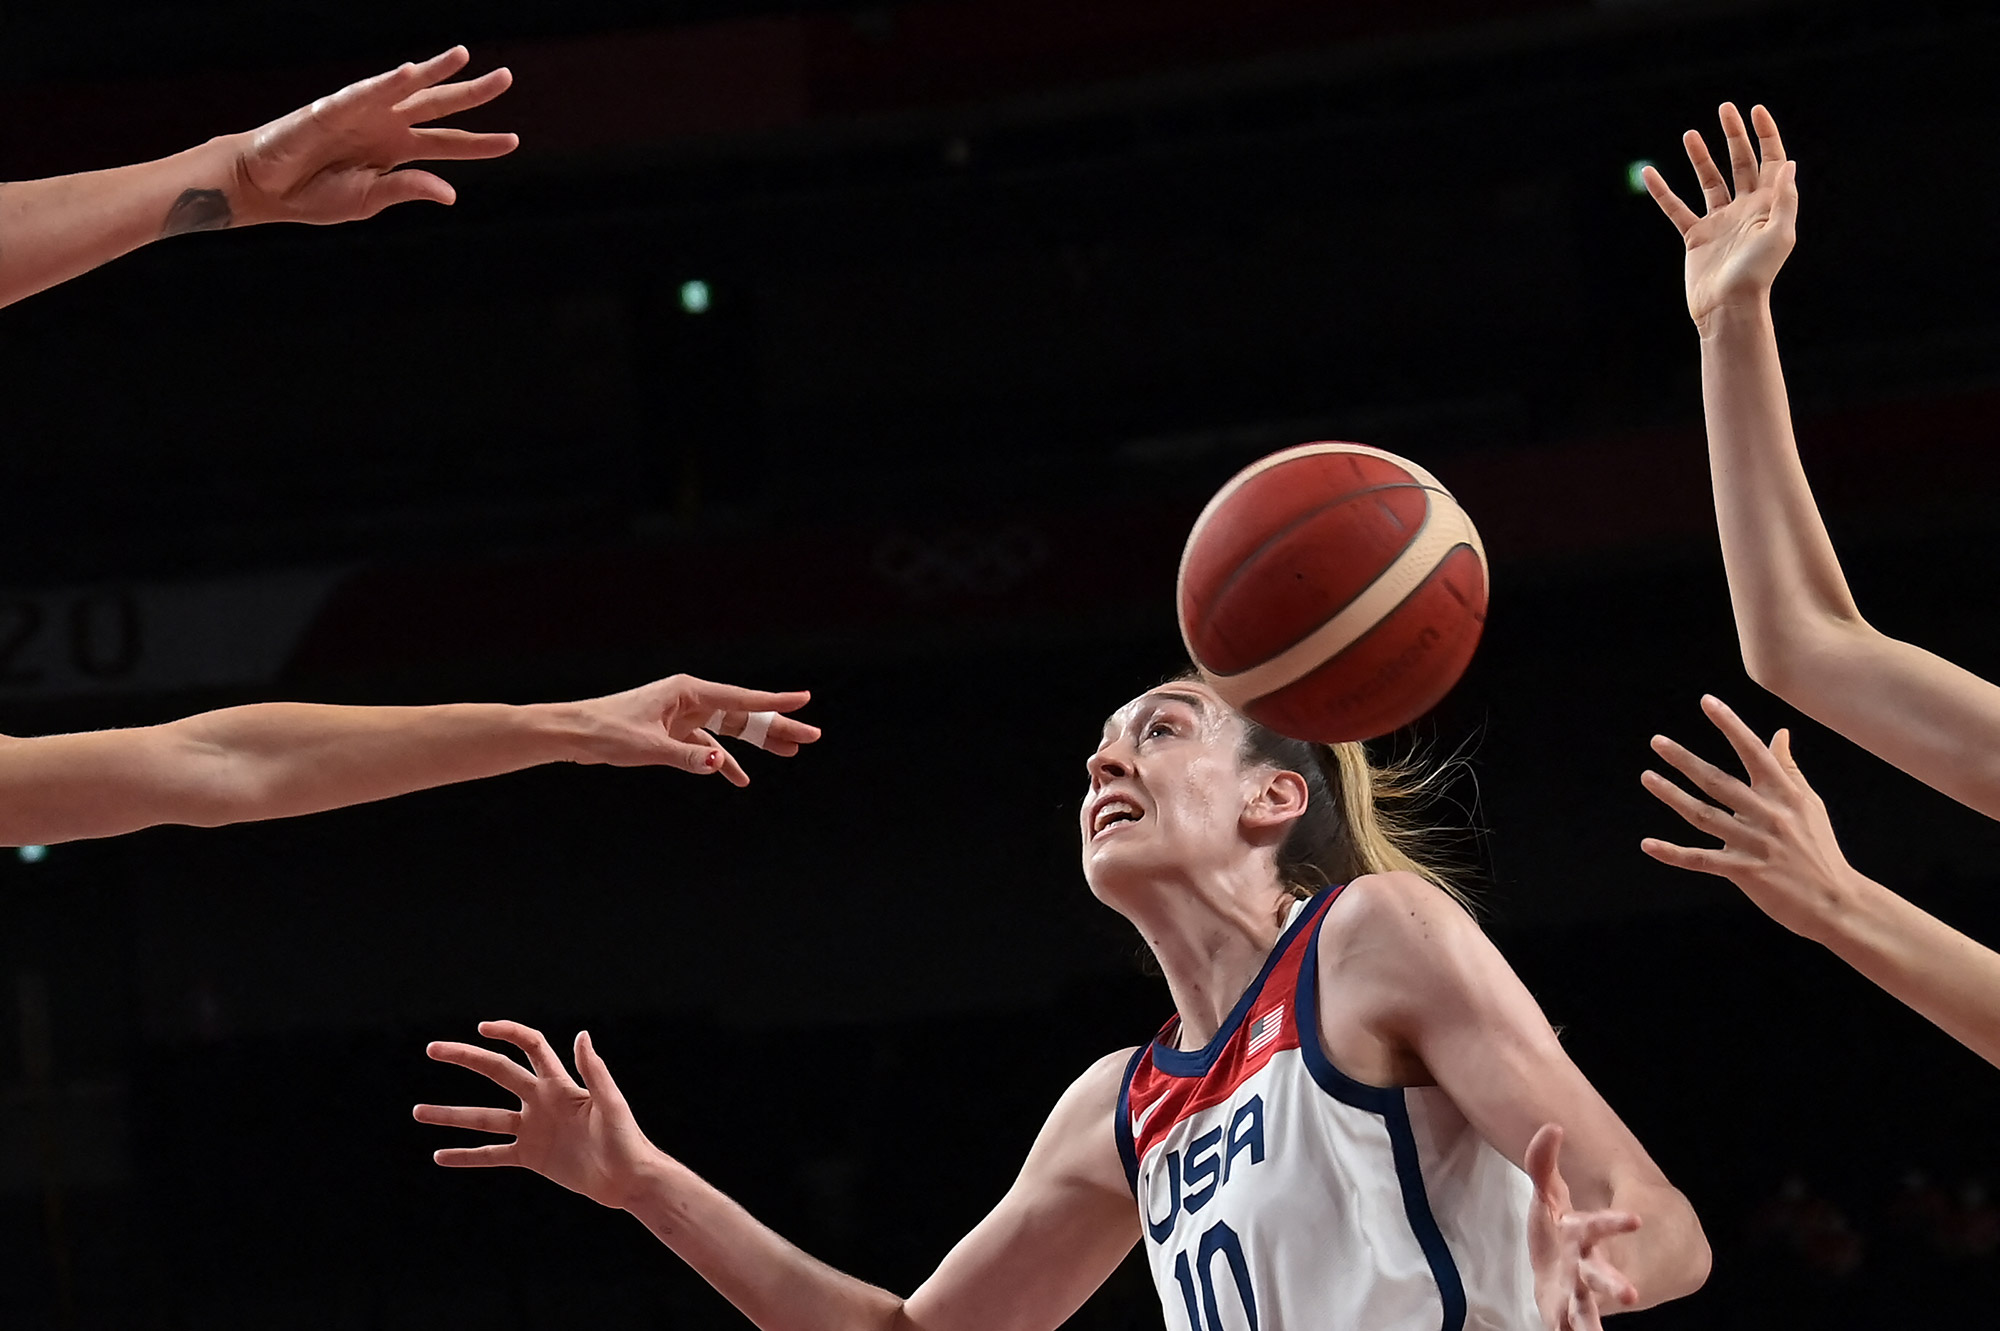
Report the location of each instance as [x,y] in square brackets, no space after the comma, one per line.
[1197,1062]
[1128,1150]
[1393,1105]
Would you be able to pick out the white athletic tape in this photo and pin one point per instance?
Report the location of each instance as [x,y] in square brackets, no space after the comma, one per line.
[758,726]
[714,723]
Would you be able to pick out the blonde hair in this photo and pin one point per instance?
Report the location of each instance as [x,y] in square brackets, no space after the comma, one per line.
[1362,816]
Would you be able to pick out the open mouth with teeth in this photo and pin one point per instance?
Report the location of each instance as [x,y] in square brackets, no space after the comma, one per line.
[1113,813]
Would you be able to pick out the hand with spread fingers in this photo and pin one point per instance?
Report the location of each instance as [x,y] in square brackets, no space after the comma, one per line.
[337,159]
[1777,842]
[1734,248]
[579,1133]
[1574,1281]
[675,722]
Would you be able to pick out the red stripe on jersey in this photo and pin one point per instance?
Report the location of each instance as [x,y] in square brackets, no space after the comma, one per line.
[1159,1101]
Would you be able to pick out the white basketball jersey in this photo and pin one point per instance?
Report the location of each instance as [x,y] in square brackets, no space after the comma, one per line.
[1278,1194]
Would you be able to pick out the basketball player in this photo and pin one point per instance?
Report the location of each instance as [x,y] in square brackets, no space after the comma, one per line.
[1803,637]
[1331,1132]
[333,161]
[276,760]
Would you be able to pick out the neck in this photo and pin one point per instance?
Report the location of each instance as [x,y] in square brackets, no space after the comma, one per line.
[1211,937]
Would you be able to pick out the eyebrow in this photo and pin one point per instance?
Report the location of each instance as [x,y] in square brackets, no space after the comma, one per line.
[1194,700]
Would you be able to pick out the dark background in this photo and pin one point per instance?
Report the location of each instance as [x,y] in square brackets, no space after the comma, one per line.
[1000,290]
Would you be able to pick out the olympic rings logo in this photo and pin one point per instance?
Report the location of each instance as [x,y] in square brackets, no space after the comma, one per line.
[961,563]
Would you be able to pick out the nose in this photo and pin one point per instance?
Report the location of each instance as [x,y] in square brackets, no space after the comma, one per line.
[1108,764]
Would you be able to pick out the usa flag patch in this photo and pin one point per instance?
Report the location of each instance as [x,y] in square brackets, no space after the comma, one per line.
[1265,1029]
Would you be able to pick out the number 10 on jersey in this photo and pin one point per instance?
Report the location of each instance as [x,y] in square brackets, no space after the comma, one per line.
[1218,1240]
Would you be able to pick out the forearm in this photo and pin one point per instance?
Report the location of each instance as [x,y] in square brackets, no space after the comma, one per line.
[269,760]
[1785,581]
[277,760]
[770,1281]
[1944,975]
[52,230]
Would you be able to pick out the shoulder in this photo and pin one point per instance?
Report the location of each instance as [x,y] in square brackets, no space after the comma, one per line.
[1405,941]
[1079,1142]
[1395,909]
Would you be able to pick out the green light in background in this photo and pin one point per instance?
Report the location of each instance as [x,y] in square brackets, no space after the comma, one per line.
[33,854]
[694,296]
[1635,175]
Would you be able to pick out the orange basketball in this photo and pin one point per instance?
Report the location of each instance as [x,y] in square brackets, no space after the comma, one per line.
[1332,592]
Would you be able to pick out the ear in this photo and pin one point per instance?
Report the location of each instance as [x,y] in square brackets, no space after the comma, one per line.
[1278,800]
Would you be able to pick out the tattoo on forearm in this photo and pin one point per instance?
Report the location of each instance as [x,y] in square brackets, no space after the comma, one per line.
[197,210]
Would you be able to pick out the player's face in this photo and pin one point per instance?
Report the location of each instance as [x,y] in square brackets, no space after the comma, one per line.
[1167,790]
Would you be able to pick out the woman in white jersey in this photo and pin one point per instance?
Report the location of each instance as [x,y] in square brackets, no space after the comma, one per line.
[1802,635]
[1330,1134]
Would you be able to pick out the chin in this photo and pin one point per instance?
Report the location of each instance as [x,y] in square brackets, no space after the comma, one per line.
[1115,874]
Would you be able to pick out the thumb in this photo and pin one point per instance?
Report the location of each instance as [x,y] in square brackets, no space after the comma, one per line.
[409,186]
[1541,1163]
[1781,749]
[596,1076]
[691,755]
[1786,212]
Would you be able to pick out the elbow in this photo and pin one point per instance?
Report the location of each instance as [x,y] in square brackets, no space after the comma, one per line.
[1693,1259]
[1787,660]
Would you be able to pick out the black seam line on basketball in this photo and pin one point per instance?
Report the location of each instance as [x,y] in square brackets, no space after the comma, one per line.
[1376,627]
[1221,593]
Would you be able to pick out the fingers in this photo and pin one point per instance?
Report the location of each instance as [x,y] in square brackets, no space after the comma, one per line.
[1714,189]
[701,755]
[475,1157]
[1593,1227]
[530,1042]
[1770,147]
[1711,780]
[1686,857]
[1750,751]
[1606,1283]
[451,98]
[701,696]
[1785,216]
[1742,157]
[769,731]
[1698,814]
[407,78]
[1682,216]
[1583,1314]
[459,145]
[473,1118]
[497,1068]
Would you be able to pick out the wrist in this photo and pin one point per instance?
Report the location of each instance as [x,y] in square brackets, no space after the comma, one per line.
[1846,911]
[1750,312]
[653,1186]
[559,731]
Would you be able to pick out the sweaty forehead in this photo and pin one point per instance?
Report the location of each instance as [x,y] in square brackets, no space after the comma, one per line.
[1188,693]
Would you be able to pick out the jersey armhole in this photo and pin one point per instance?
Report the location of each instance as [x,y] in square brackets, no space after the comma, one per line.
[1128,1152]
[1305,1018]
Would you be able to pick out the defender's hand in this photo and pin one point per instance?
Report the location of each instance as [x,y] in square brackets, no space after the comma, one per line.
[1777,842]
[581,1136]
[674,722]
[1735,250]
[336,160]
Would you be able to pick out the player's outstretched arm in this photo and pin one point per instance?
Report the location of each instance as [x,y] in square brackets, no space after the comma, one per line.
[1406,960]
[1778,847]
[333,161]
[1061,1229]
[1802,635]
[276,760]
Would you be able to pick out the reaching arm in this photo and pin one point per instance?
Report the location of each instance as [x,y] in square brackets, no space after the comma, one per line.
[1801,633]
[275,760]
[1399,951]
[332,161]
[1779,848]
[1057,1234]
